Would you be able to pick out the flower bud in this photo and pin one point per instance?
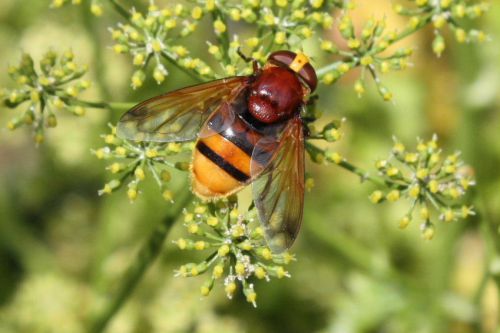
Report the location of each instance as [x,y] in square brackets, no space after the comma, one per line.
[438,45]
[404,222]
[51,120]
[376,196]
[219,27]
[230,289]
[138,79]
[428,231]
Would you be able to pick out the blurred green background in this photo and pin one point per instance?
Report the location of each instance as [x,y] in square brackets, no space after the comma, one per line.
[63,248]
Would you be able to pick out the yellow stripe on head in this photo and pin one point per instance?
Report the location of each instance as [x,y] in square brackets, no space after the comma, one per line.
[299,62]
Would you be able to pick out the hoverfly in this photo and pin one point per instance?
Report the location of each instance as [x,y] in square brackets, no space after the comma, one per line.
[248,130]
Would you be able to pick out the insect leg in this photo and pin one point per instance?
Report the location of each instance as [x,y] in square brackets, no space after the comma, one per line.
[255,63]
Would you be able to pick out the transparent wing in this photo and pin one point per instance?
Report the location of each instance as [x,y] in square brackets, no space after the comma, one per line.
[278,191]
[178,115]
[219,120]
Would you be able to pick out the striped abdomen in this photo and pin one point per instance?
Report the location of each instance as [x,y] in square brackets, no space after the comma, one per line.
[221,162]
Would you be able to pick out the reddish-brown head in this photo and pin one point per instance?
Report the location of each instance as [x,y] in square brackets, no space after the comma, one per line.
[280,88]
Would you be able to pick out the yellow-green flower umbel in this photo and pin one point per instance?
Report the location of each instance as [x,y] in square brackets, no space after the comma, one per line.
[154,36]
[46,90]
[430,181]
[237,251]
[132,162]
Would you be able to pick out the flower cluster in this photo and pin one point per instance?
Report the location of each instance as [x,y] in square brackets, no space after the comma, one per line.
[155,36]
[366,50]
[238,251]
[96,6]
[279,24]
[132,161]
[429,180]
[446,13]
[370,48]
[284,23]
[55,86]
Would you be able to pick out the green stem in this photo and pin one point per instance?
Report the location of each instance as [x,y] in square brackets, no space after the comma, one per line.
[145,257]
[94,34]
[410,31]
[118,106]
[223,38]
[192,74]
[363,175]
[478,296]
[490,231]
[120,9]
[330,67]
[360,172]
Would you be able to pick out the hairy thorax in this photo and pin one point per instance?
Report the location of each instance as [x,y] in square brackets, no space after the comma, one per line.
[275,95]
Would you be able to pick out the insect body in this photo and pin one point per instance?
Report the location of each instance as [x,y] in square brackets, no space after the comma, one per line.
[248,130]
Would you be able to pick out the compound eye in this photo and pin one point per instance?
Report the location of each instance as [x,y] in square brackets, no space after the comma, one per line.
[283,58]
[308,74]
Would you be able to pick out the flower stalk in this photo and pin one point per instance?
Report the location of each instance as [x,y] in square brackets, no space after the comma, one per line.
[144,259]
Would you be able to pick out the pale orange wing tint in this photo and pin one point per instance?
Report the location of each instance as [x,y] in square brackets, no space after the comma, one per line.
[178,115]
[278,192]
